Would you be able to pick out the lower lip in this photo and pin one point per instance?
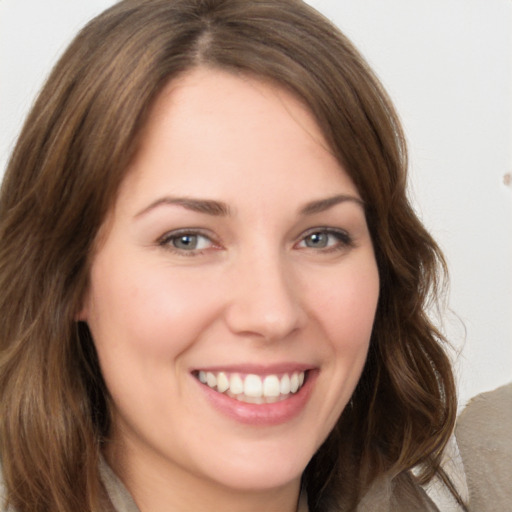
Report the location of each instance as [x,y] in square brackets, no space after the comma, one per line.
[261,414]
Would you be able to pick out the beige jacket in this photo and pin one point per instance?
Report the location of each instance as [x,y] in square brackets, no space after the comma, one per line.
[484,436]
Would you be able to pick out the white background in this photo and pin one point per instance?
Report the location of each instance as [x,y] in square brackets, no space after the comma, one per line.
[447,65]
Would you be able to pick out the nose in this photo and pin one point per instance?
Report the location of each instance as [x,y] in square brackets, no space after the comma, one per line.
[265,299]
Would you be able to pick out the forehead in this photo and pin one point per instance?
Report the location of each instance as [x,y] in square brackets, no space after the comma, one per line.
[210,127]
[204,100]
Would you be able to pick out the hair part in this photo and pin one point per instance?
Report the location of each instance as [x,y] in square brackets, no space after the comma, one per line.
[63,178]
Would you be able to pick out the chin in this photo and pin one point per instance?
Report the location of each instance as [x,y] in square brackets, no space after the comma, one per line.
[262,470]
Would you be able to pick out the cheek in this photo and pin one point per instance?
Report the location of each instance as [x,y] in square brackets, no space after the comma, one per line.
[142,320]
[146,312]
[346,307]
[344,310]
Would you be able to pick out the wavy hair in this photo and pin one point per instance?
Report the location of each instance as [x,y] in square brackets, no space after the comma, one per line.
[63,177]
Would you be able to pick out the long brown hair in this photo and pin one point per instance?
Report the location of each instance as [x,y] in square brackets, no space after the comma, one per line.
[63,177]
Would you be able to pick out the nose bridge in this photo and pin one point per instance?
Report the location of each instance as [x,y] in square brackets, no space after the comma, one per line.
[264,299]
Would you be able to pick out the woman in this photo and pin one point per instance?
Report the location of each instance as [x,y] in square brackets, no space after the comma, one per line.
[214,287]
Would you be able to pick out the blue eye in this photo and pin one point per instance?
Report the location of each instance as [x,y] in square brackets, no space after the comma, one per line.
[326,239]
[185,241]
[317,240]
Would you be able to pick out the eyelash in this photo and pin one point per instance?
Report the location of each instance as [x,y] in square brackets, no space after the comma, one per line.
[343,240]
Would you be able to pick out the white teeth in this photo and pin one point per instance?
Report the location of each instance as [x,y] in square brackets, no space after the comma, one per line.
[271,386]
[253,388]
[222,382]
[211,380]
[236,384]
[285,385]
[294,383]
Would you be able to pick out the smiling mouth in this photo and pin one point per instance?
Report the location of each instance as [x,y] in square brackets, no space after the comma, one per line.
[252,388]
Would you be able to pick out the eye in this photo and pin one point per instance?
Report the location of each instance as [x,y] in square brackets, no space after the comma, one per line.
[186,241]
[326,239]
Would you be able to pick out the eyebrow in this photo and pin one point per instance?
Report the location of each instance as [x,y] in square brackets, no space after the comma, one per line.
[207,206]
[220,209]
[321,205]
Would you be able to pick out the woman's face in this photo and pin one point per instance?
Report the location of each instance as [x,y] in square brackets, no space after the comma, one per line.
[233,290]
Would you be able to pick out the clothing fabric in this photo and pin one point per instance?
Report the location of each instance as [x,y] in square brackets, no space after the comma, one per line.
[117,492]
[454,469]
[484,435]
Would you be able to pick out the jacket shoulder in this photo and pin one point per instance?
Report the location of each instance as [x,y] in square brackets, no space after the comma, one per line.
[483,434]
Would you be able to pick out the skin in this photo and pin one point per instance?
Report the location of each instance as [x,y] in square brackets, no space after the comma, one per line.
[258,289]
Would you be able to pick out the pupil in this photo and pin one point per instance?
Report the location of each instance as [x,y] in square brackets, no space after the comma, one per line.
[186,242]
[317,240]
